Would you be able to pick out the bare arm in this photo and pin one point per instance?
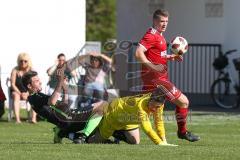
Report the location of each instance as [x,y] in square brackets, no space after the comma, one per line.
[75,62]
[13,81]
[174,57]
[106,58]
[57,91]
[83,57]
[51,69]
[143,59]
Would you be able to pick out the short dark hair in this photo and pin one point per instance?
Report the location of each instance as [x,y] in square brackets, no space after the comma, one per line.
[61,55]
[160,12]
[27,78]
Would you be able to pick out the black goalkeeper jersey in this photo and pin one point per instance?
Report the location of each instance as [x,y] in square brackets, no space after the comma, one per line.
[39,103]
[52,114]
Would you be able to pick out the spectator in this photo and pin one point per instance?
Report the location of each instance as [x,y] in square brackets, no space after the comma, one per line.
[71,96]
[94,80]
[18,91]
[2,98]
[96,72]
[51,71]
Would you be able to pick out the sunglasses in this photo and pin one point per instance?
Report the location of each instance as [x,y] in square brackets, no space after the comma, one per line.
[23,61]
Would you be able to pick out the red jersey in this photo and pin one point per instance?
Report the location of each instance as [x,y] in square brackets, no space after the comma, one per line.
[155,45]
[156,52]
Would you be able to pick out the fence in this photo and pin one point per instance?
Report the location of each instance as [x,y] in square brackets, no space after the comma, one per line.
[196,73]
[193,76]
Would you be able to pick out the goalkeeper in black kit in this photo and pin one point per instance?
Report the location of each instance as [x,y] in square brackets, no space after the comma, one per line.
[75,126]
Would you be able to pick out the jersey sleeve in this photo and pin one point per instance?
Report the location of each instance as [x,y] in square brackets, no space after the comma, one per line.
[147,127]
[38,100]
[158,121]
[147,41]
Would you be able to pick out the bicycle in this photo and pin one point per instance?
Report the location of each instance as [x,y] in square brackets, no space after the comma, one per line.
[225,92]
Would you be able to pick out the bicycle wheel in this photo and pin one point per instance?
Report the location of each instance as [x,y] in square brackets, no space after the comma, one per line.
[224,94]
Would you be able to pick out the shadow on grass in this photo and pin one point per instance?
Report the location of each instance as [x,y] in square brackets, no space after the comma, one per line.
[22,143]
[196,113]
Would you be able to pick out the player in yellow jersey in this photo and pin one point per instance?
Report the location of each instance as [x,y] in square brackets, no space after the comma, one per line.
[123,117]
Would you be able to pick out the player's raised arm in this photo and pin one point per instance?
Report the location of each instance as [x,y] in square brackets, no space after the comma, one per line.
[57,91]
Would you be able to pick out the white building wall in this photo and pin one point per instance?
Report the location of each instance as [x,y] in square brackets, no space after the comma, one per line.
[232,22]
[42,28]
[187,18]
[232,33]
[132,19]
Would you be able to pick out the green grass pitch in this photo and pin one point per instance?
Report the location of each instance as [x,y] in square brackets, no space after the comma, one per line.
[220,139]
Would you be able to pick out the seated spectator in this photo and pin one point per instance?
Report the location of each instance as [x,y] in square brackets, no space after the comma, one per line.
[18,91]
[2,98]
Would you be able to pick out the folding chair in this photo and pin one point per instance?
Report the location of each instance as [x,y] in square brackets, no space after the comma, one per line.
[23,103]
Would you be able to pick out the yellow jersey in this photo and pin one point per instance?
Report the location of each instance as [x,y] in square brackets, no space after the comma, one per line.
[128,113]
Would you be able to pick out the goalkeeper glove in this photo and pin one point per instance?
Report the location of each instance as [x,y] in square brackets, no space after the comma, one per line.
[167,144]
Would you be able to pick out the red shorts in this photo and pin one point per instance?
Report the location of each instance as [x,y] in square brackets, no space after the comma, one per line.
[168,89]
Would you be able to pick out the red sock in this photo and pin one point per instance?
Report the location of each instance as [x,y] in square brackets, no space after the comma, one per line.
[181,117]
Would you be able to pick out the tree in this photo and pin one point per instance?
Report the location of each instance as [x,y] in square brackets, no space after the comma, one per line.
[101,20]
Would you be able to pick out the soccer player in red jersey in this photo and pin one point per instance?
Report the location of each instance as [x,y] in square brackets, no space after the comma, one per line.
[152,53]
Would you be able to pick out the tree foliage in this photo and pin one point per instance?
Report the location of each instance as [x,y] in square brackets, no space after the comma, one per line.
[101,20]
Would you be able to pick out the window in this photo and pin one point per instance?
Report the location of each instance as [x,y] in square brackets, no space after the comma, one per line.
[154,5]
[214,8]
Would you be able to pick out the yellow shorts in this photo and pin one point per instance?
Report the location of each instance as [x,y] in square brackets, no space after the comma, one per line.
[107,127]
[113,121]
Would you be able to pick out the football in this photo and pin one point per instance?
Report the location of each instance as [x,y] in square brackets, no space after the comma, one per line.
[179,45]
